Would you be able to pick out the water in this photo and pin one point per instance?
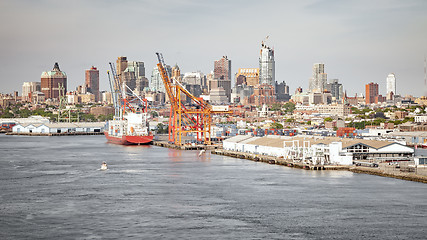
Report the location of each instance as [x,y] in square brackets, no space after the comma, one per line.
[51,187]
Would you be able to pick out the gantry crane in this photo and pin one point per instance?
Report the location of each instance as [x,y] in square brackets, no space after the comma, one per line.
[124,99]
[195,117]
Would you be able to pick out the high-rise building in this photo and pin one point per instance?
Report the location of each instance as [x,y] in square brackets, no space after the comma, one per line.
[222,75]
[335,89]
[51,80]
[282,92]
[28,88]
[156,81]
[371,92]
[391,83]
[222,69]
[317,83]
[266,65]
[92,81]
[251,75]
[176,73]
[122,64]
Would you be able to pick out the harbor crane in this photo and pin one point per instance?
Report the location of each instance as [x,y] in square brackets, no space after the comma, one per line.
[124,99]
[193,117]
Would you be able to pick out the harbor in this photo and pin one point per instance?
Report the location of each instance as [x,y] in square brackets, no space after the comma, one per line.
[168,193]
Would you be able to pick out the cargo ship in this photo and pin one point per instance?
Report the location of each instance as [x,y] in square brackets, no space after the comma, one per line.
[132,129]
[130,123]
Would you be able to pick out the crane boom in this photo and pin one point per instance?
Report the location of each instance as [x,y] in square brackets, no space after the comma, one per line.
[193,118]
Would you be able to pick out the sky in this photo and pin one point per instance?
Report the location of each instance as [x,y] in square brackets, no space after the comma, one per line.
[358,41]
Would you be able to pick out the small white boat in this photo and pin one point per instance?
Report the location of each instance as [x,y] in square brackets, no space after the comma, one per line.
[104,166]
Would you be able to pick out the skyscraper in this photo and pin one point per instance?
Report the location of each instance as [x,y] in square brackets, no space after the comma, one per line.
[50,81]
[222,69]
[335,88]
[222,74]
[28,88]
[122,64]
[318,81]
[156,81]
[266,65]
[391,83]
[371,93]
[134,75]
[92,81]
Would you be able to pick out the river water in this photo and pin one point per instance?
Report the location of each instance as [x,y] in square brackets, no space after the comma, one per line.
[52,188]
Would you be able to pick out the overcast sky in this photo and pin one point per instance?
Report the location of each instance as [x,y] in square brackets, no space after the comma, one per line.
[358,41]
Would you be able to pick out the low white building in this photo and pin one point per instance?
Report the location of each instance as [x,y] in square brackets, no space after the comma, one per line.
[326,150]
[46,128]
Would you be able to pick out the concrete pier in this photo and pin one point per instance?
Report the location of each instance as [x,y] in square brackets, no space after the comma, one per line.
[185,147]
[276,160]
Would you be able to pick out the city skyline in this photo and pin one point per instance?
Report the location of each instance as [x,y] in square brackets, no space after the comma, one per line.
[359,41]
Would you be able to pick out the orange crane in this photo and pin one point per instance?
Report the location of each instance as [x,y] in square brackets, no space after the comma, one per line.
[193,117]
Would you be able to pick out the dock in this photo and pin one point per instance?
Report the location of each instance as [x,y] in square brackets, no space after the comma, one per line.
[185,147]
[276,160]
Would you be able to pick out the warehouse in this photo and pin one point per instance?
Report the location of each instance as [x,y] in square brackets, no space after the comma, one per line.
[325,150]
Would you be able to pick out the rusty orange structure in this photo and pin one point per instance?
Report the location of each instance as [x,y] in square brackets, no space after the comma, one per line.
[193,117]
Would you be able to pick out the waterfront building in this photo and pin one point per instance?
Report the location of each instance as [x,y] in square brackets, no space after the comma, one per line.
[28,88]
[317,83]
[92,81]
[51,80]
[323,151]
[391,85]
[266,65]
[248,75]
[59,127]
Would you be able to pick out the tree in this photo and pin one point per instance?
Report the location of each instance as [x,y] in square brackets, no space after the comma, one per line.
[328,119]
[154,114]
[161,128]
[277,125]
[276,107]
[289,107]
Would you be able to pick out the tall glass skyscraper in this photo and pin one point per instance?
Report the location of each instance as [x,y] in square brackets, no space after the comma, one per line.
[266,65]
[391,83]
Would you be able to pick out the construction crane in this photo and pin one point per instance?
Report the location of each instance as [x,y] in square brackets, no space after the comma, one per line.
[124,99]
[194,117]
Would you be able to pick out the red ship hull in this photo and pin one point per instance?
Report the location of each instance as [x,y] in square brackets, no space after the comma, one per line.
[129,140]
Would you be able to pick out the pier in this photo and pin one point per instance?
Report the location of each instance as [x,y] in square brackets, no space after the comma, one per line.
[276,160]
[185,147]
